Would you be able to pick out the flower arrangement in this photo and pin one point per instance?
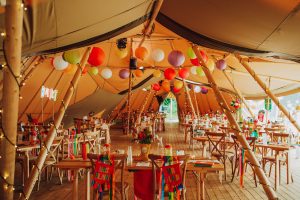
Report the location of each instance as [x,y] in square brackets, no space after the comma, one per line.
[145,137]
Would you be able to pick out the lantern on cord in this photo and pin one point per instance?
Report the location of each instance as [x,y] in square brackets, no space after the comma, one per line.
[197,89]
[184,73]
[170,73]
[191,54]
[59,63]
[72,56]
[221,64]
[176,58]
[204,90]
[157,55]
[84,71]
[195,62]
[157,73]
[106,73]
[193,70]
[124,73]
[156,86]
[176,90]
[93,70]
[178,84]
[200,71]
[122,53]
[96,56]
[138,73]
[141,53]
[210,65]
[70,69]
[166,85]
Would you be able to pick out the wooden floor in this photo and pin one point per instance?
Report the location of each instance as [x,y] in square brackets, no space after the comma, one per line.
[214,189]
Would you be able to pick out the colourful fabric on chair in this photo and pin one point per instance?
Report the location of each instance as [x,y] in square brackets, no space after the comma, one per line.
[143,184]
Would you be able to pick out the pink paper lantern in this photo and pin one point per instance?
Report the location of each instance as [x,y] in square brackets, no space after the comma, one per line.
[176,58]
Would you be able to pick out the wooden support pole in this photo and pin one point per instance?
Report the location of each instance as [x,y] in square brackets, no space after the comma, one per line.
[148,28]
[238,92]
[12,50]
[189,97]
[52,133]
[268,92]
[128,101]
[237,130]
[143,106]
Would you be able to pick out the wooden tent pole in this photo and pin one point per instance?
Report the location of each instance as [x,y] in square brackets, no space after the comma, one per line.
[237,130]
[238,92]
[128,101]
[189,97]
[268,91]
[197,107]
[52,133]
[144,104]
[11,90]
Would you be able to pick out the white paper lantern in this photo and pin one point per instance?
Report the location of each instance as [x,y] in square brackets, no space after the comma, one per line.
[106,73]
[59,63]
[197,89]
[194,70]
[158,55]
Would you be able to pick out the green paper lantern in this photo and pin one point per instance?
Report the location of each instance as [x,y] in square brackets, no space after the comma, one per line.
[191,54]
[93,70]
[72,56]
[200,71]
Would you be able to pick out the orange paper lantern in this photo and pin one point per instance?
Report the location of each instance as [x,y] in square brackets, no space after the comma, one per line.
[141,53]
[138,73]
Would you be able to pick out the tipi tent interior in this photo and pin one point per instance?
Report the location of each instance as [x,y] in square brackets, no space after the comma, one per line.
[86,88]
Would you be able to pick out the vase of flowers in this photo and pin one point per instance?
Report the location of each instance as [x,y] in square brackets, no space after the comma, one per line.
[145,138]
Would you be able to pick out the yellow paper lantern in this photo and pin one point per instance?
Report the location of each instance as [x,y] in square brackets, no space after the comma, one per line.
[70,69]
[166,85]
[122,53]
[178,84]
[210,65]
[157,73]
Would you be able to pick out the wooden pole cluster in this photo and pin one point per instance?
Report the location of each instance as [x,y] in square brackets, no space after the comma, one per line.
[237,130]
[189,97]
[13,50]
[52,133]
[238,92]
[268,91]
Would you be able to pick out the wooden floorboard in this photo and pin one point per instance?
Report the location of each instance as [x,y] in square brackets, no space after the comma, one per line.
[214,189]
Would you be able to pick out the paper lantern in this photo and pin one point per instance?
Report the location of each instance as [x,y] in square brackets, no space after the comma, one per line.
[157,73]
[156,86]
[170,73]
[204,90]
[176,58]
[106,73]
[191,54]
[138,73]
[84,71]
[221,64]
[124,73]
[59,63]
[141,53]
[96,57]
[197,89]
[195,62]
[210,65]
[193,70]
[70,69]
[190,86]
[72,56]
[157,55]
[200,71]
[176,90]
[122,53]
[178,84]
[93,70]
[184,73]
[166,85]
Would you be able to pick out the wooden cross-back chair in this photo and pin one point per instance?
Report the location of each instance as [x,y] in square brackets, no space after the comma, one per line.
[92,138]
[218,146]
[119,164]
[237,146]
[158,161]
[52,158]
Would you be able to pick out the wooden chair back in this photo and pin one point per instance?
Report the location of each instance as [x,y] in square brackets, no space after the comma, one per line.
[119,164]
[157,161]
[92,139]
[55,149]
[217,140]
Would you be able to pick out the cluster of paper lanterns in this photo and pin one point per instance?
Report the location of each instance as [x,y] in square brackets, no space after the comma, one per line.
[236,104]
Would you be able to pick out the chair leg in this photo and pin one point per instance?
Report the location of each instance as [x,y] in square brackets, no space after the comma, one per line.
[271,164]
[59,176]
[254,176]
[234,170]
[225,174]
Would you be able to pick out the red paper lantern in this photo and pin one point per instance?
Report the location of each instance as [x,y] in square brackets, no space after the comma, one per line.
[196,62]
[184,73]
[156,86]
[170,73]
[96,57]
[176,90]
[141,53]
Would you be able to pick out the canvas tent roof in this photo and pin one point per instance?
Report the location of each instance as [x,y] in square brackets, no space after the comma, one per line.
[65,29]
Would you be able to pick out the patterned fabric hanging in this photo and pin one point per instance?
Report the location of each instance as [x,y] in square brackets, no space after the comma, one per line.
[104,175]
[268,103]
[171,180]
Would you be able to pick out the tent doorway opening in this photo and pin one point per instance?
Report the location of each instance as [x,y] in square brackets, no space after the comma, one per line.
[169,107]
